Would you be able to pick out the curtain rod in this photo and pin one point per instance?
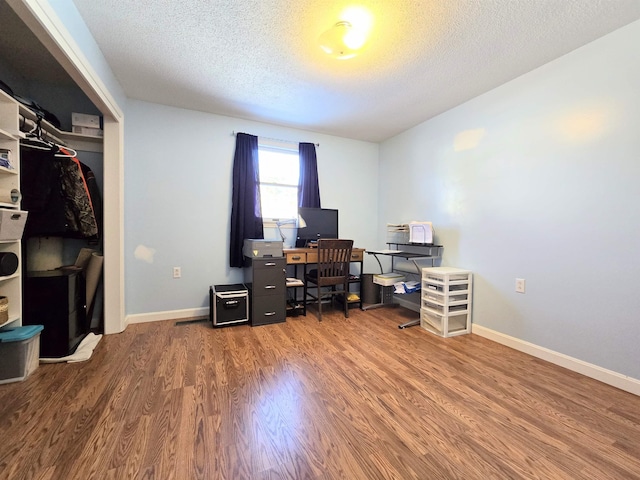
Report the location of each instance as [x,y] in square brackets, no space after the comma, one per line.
[274,139]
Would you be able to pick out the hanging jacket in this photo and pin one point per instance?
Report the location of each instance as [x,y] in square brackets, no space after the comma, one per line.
[56,195]
[79,212]
[96,200]
[40,180]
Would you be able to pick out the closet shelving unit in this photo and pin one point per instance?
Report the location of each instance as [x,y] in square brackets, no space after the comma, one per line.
[12,113]
[74,140]
[11,285]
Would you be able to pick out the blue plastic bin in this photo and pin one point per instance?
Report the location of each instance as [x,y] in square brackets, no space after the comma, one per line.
[19,352]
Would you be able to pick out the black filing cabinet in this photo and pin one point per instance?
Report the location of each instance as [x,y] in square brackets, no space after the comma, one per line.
[56,299]
[266,279]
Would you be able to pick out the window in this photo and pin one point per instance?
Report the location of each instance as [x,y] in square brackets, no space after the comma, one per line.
[279,173]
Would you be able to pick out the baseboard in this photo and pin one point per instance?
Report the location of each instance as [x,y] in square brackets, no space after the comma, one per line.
[603,375]
[168,315]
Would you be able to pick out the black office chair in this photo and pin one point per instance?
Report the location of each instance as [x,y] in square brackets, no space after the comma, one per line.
[332,270]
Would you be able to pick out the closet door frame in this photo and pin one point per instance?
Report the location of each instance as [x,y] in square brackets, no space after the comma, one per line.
[43,21]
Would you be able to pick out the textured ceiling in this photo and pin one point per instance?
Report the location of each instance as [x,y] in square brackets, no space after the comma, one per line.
[260,59]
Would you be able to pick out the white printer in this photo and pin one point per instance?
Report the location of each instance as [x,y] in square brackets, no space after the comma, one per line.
[258,248]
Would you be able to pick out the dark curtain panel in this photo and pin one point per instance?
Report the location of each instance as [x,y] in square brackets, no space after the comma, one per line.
[246,215]
[308,188]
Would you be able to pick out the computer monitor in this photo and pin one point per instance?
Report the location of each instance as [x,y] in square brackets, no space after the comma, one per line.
[321,223]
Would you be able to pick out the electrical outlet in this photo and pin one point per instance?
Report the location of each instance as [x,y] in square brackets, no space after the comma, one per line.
[520,285]
[177,272]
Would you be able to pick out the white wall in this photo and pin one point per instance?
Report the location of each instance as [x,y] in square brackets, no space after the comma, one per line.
[178,201]
[538,179]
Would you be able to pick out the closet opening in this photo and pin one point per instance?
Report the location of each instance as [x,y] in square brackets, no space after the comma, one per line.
[45,72]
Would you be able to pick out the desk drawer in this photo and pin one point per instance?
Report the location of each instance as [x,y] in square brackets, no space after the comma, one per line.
[293,258]
[312,257]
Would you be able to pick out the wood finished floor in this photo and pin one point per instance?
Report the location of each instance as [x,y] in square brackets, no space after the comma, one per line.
[352,398]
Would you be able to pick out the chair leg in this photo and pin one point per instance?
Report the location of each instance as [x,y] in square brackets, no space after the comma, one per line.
[304,297]
[319,304]
[345,293]
[304,303]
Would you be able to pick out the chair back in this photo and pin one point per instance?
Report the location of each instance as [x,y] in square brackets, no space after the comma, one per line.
[334,256]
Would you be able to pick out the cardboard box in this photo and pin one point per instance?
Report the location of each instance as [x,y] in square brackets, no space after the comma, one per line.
[91,132]
[85,120]
[12,223]
[20,352]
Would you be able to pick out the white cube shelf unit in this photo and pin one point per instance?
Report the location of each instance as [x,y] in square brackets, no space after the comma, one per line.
[10,285]
[445,307]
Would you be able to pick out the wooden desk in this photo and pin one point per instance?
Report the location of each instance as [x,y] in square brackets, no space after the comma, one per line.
[309,256]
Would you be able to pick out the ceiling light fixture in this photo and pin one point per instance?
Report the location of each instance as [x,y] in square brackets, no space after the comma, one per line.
[342,41]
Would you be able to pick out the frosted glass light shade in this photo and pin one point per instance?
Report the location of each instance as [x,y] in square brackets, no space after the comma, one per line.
[342,41]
